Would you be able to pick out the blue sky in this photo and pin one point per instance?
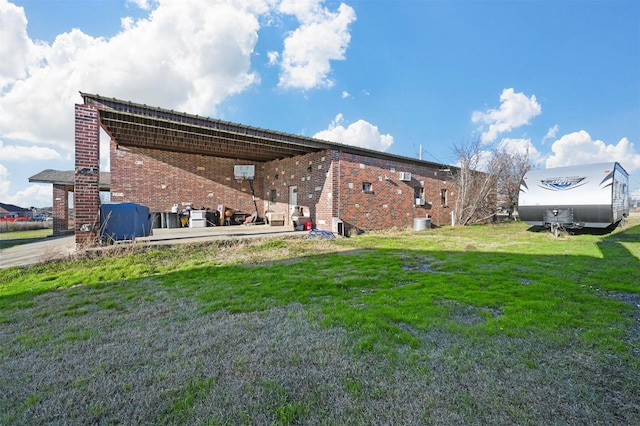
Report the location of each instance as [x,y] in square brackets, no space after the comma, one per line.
[559,79]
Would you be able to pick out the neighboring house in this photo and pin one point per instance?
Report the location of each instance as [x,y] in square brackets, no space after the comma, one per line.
[10,211]
[160,158]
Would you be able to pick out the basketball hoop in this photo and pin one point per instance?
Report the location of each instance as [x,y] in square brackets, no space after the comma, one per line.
[246,172]
[242,173]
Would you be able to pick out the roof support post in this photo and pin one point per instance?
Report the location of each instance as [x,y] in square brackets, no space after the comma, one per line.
[86,198]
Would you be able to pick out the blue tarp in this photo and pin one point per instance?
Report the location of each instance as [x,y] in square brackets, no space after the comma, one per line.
[124,221]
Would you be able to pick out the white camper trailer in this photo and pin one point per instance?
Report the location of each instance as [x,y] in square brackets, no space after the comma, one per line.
[589,196]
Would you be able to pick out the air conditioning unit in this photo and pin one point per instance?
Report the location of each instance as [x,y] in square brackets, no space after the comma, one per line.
[405,176]
[420,202]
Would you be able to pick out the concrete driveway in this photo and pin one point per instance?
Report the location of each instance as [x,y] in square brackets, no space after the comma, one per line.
[61,247]
[38,251]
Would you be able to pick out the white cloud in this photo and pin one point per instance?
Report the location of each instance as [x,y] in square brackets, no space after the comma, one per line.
[273,57]
[304,10]
[186,55]
[521,147]
[143,4]
[580,148]
[31,196]
[551,133]
[16,47]
[105,154]
[360,133]
[189,56]
[345,94]
[27,153]
[5,185]
[127,23]
[323,36]
[516,110]
[478,161]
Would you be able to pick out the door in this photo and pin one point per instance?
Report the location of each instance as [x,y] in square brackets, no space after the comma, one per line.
[293,199]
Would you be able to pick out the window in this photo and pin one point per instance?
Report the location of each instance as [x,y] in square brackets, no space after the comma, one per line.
[418,194]
[366,187]
[443,197]
[273,194]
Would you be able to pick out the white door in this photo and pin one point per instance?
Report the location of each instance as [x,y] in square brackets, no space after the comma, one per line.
[293,199]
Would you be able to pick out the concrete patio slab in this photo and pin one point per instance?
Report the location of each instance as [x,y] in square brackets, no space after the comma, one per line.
[61,247]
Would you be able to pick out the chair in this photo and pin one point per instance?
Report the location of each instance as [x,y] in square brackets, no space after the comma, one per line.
[275,218]
[251,219]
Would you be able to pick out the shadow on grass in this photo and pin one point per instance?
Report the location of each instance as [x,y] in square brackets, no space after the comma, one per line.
[578,231]
[540,289]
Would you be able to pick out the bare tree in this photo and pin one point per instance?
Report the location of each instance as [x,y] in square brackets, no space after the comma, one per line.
[475,182]
[514,166]
[484,175]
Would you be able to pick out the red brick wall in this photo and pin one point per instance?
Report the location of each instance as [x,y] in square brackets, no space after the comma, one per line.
[329,185]
[323,180]
[391,203]
[312,175]
[160,179]
[60,209]
[86,199]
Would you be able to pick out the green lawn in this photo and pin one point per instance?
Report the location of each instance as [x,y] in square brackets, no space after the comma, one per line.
[14,238]
[479,325]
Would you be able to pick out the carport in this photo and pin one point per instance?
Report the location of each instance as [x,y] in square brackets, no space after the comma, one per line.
[132,126]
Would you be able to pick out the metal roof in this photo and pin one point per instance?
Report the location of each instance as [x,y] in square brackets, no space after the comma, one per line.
[67,178]
[136,125]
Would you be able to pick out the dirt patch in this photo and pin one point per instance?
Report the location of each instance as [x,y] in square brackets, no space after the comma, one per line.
[465,314]
[419,263]
[633,332]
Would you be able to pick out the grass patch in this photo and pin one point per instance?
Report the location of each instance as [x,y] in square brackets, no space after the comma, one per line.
[28,234]
[182,407]
[14,238]
[486,324]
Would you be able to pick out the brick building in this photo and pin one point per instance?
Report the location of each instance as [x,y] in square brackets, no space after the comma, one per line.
[160,158]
